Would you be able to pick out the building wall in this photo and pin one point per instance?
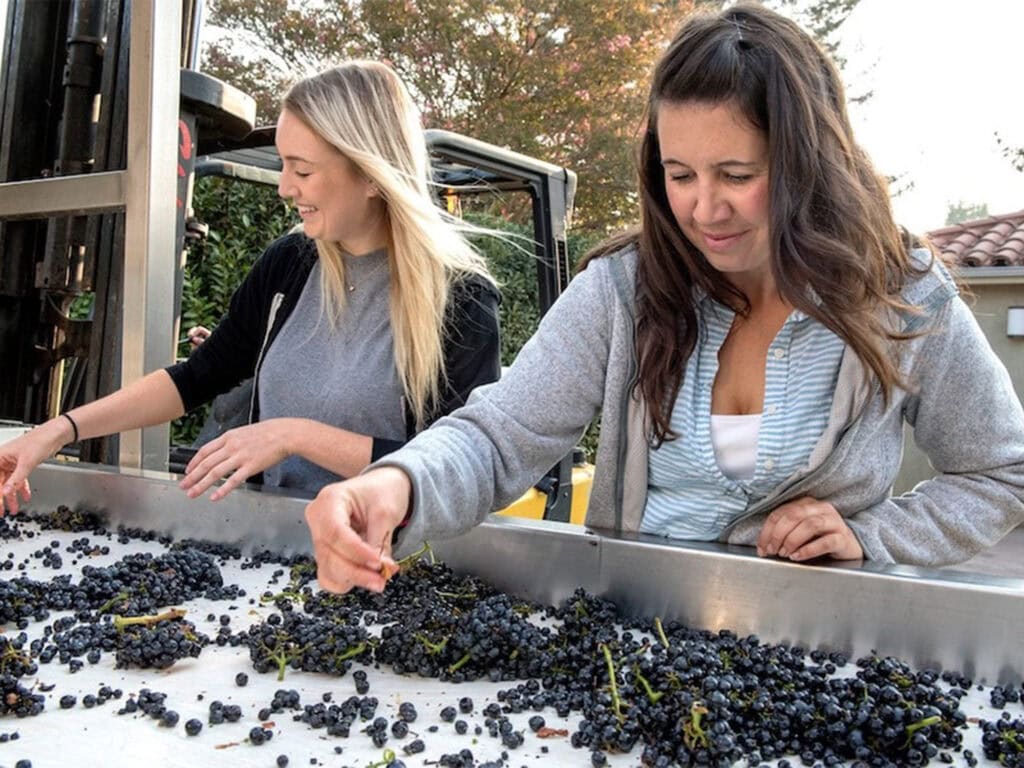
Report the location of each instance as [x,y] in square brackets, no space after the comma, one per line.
[990,303]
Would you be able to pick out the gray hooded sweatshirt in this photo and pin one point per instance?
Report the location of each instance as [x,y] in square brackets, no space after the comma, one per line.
[960,403]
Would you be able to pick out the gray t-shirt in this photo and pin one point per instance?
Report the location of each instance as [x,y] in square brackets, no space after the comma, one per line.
[343,376]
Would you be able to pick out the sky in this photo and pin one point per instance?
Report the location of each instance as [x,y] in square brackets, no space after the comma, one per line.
[947,77]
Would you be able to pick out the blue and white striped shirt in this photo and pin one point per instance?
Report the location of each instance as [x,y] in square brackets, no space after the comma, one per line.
[688,496]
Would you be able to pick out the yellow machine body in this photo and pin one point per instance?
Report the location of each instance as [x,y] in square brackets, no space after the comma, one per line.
[532,503]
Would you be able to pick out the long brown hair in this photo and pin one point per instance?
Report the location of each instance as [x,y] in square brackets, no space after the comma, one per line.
[831,225]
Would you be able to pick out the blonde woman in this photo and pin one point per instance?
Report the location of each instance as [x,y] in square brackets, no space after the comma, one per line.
[360,328]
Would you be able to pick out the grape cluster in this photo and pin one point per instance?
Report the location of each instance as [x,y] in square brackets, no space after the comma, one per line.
[221,713]
[487,638]
[63,518]
[151,703]
[1000,696]
[283,699]
[17,700]
[1002,740]
[14,659]
[699,698]
[308,643]
[154,641]
[423,589]
[22,599]
[157,643]
[86,634]
[335,719]
[222,552]
[138,583]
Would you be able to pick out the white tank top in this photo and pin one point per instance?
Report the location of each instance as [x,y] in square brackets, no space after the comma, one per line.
[734,440]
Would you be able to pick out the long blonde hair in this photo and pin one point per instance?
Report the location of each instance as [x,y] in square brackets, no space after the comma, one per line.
[363,110]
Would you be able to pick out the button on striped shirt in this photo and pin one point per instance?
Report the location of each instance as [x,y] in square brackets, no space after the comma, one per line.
[688,496]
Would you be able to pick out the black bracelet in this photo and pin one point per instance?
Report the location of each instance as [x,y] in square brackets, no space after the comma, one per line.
[73,426]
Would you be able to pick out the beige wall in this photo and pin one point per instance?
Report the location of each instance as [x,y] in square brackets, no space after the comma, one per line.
[995,290]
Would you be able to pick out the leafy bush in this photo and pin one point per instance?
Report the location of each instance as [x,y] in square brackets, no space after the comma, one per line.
[243,219]
[515,267]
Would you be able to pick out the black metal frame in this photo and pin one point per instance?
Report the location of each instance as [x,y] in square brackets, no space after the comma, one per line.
[61,56]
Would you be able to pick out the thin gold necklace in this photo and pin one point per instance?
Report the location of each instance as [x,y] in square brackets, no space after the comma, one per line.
[352,286]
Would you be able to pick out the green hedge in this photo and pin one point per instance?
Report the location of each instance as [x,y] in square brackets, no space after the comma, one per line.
[243,219]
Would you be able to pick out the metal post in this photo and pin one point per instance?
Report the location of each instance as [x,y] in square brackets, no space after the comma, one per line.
[150,213]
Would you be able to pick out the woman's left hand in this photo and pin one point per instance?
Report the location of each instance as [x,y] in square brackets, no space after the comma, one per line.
[807,528]
[236,455]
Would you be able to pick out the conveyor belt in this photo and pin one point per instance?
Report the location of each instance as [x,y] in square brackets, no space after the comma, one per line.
[928,617]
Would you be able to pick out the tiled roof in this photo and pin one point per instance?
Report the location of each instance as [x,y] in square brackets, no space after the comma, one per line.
[995,241]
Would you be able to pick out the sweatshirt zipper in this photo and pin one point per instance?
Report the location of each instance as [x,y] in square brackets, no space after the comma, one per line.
[619,274]
[275,305]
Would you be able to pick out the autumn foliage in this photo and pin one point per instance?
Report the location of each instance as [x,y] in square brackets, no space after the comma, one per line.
[561,80]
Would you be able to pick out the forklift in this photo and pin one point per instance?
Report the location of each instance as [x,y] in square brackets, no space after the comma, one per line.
[96,212]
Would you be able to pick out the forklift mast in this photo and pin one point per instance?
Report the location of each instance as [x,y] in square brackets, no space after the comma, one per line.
[99,114]
[104,124]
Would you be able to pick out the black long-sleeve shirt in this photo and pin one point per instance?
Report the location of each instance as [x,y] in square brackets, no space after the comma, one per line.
[267,296]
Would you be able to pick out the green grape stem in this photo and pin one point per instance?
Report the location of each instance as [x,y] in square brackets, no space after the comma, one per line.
[616,701]
[352,652]
[120,622]
[652,696]
[922,723]
[432,648]
[661,631]
[1011,739]
[280,656]
[693,731]
[10,654]
[457,595]
[387,757]
[118,598]
[424,550]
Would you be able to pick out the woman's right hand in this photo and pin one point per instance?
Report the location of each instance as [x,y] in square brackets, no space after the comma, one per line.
[351,524]
[197,335]
[21,455]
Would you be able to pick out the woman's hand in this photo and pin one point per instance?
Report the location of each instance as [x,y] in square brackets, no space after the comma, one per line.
[197,335]
[14,479]
[18,457]
[351,524]
[238,454]
[806,528]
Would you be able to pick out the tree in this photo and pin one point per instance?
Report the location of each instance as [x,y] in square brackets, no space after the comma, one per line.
[561,80]
[960,212]
[1014,154]
[824,18]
